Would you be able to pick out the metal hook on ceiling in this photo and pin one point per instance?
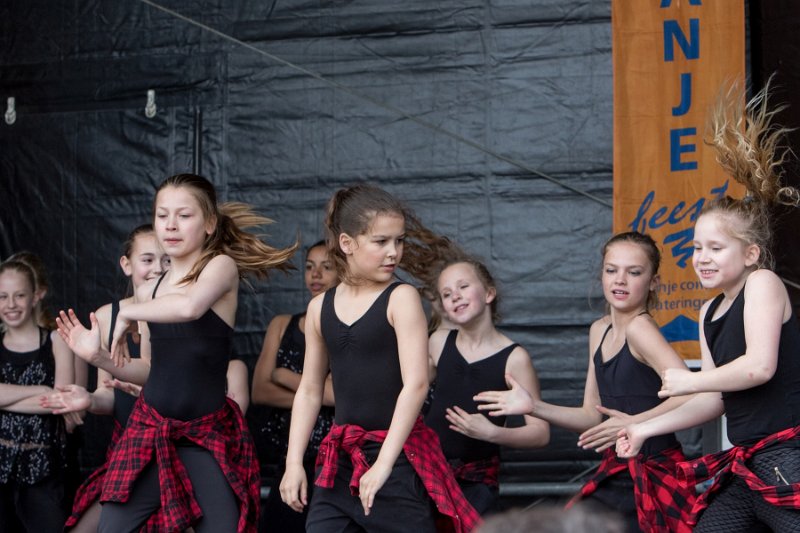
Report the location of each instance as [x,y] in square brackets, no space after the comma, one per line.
[11,111]
[150,108]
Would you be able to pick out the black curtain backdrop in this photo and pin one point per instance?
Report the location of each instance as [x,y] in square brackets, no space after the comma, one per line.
[456,107]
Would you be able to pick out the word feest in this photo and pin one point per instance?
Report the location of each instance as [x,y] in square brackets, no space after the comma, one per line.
[682,248]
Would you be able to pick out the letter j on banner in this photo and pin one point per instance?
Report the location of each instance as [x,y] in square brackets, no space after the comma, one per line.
[671,58]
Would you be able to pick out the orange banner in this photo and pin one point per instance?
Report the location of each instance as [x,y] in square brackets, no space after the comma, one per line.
[671,57]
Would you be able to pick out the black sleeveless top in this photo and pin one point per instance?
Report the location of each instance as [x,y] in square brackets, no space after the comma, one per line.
[32,447]
[771,407]
[188,367]
[457,381]
[123,402]
[628,385]
[364,363]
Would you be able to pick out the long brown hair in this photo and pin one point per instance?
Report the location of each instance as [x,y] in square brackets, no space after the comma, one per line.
[251,254]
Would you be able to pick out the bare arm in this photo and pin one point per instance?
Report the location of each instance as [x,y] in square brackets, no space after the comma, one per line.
[215,288]
[265,390]
[766,308]
[305,409]
[238,390]
[103,395]
[64,374]
[219,277]
[86,343]
[11,394]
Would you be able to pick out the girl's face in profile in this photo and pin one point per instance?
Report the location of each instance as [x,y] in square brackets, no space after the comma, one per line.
[376,254]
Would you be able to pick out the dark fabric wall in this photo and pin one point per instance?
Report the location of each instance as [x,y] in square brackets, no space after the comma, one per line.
[528,80]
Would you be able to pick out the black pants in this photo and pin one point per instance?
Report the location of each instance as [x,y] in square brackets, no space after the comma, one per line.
[401,505]
[736,508]
[36,508]
[211,489]
[615,495]
[481,496]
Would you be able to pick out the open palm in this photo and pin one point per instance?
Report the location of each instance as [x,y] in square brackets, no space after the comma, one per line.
[85,343]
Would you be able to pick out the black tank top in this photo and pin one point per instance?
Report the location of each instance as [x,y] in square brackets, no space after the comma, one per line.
[457,381]
[364,363]
[123,402]
[760,411]
[628,385]
[189,362]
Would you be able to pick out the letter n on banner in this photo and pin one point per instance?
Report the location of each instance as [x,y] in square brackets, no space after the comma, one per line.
[671,57]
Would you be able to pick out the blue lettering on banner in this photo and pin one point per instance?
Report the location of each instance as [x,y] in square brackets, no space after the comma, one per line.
[686,95]
[674,34]
[682,239]
[676,149]
[667,3]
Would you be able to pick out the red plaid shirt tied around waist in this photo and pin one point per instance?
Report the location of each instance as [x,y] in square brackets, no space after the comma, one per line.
[662,501]
[484,471]
[733,461]
[151,436]
[423,451]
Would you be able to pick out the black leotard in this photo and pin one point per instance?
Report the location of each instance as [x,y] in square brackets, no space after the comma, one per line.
[364,363]
[628,385]
[456,383]
[188,367]
[760,411]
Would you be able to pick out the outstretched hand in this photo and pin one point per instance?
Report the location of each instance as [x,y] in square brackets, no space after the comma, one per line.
[516,401]
[85,343]
[604,435]
[67,399]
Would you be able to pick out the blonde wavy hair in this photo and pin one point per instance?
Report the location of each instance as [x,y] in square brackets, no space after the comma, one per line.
[749,149]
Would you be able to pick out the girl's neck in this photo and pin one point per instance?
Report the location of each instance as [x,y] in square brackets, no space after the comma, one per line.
[620,320]
[730,293]
[181,266]
[478,331]
[359,286]
[21,333]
